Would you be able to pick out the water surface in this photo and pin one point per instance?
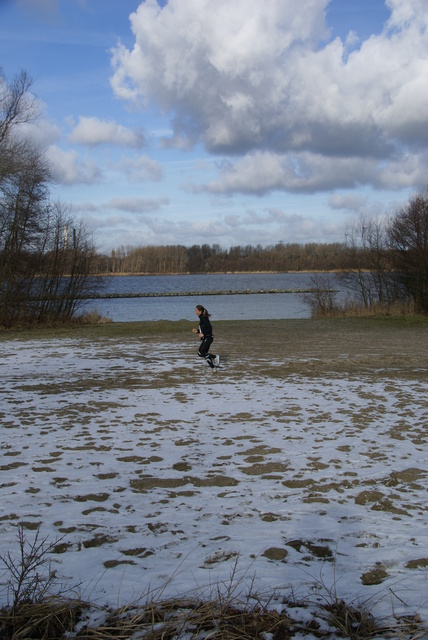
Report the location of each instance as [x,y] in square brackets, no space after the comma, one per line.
[250,306]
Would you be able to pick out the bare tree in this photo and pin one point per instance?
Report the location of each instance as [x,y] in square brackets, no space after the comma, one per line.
[370,279]
[408,246]
[66,261]
[23,196]
[17,105]
[41,279]
[322,299]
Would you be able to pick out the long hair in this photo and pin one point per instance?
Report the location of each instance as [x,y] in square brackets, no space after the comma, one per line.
[204,312]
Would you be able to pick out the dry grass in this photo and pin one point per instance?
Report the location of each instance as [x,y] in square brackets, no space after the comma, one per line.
[92,317]
[216,618]
[357,623]
[192,618]
[47,620]
[355,310]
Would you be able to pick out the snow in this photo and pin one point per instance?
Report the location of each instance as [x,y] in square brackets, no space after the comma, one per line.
[155,474]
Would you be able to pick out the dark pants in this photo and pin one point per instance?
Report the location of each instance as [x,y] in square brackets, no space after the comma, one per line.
[204,348]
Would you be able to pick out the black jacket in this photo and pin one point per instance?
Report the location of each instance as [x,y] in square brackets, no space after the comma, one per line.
[205,327]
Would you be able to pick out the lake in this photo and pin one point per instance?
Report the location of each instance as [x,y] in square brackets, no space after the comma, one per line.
[250,306]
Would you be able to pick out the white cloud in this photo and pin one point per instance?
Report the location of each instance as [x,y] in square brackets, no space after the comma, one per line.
[353,202]
[275,225]
[137,205]
[212,64]
[69,169]
[41,133]
[261,79]
[141,169]
[137,224]
[361,206]
[92,131]
[404,12]
[261,173]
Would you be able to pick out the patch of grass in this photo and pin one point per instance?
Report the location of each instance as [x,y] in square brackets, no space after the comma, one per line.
[266,332]
[352,623]
[92,317]
[215,618]
[99,331]
[375,310]
[47,620]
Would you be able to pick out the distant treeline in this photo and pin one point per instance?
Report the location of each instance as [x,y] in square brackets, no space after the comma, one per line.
[213,259]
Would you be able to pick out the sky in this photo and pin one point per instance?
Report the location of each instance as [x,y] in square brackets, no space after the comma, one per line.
[228,123]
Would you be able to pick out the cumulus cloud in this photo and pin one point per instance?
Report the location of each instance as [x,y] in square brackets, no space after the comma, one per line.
[93,131]
[262,172]
[262,80]
[69,169]
[212,64]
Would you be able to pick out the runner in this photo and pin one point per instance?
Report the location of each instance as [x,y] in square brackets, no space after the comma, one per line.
[206,336]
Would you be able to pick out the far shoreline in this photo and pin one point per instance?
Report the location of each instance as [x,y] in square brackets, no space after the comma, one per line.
[207,273]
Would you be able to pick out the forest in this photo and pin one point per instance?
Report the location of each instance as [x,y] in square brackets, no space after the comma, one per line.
[280,257]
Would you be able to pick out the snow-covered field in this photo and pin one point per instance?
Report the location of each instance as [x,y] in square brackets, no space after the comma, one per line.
[153,473]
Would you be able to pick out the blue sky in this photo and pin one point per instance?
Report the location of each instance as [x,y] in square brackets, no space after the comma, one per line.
[230,123]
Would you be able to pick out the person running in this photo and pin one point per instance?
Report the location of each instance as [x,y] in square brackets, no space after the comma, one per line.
[206,336]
